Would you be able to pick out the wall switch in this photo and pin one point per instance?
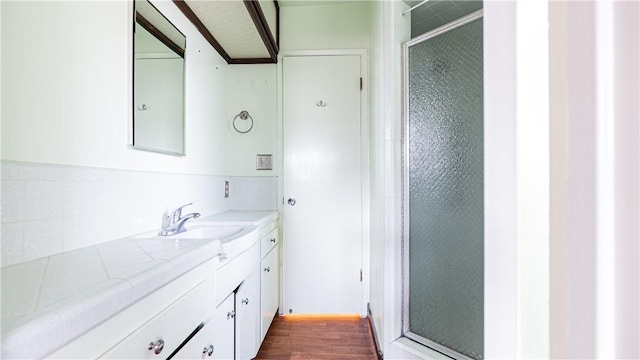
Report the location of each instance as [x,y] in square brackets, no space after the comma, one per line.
[263,162]
[226,189]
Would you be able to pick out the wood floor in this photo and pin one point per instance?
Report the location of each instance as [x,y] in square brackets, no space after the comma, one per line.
[315,337]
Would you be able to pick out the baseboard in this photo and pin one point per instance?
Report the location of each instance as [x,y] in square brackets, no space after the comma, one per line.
[372,329]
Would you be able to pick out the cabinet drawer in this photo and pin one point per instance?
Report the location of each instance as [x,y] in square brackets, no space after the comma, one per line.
[268,241]
[171,326]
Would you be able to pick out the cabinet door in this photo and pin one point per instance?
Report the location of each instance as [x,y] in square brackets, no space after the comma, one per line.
[269,289]
[201,346]
[224,329]
[248,316]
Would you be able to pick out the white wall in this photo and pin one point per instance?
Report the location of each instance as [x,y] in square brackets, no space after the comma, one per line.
[500,184]
[626,78]
[67,89]
[69,179]
[252,88]
[558,185]
[321,27]
[397,30]
[595,152]
[377,174]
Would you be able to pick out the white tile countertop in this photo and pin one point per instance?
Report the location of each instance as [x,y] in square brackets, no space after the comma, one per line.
[49,302]
[257,218]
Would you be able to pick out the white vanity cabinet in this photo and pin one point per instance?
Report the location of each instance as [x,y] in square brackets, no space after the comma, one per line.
[220,309]
[161,321]
[269,279]
[251,297]
[237,317]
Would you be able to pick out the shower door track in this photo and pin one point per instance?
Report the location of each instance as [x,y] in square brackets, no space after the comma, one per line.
[443,29]
[404,316]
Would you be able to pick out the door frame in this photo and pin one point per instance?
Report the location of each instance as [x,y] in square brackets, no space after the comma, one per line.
[364,153]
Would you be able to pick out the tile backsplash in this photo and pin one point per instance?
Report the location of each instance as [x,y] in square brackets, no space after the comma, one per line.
[254,192]
[48,209]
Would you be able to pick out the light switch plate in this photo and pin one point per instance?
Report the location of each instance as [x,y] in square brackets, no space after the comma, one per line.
[263,162]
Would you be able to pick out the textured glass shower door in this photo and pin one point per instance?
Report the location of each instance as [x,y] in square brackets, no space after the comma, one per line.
[443,176]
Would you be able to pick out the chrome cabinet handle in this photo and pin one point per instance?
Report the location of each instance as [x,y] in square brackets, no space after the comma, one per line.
[291,201]
[156,346]
[273,240]
[267,269]
[231,314]
[245,301]
[208,350]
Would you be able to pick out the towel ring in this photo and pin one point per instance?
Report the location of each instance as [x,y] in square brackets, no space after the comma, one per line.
[244,116]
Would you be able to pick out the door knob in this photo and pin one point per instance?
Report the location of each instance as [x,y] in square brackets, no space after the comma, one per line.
[291,201]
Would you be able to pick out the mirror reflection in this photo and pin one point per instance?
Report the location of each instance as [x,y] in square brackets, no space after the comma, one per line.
[158,81]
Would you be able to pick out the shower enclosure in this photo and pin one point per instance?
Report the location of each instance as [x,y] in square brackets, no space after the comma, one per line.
[443,189]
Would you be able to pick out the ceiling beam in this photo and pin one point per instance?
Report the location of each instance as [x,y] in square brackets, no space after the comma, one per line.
[186,10]
[260,21]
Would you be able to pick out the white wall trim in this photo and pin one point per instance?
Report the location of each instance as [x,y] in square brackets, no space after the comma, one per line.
[532,177]
[605,182]
[500,194]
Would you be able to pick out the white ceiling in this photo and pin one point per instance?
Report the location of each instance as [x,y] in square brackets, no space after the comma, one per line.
[232,26]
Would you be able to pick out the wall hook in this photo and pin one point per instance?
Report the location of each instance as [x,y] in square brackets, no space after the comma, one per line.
[321,103]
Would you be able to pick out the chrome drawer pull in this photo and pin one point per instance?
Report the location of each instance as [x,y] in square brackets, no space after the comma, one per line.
[267,269]
[208,350]
[156,346]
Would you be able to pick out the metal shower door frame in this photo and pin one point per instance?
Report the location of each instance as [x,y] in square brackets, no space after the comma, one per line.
[405,215]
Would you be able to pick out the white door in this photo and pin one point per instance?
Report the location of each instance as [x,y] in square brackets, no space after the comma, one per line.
[322,176]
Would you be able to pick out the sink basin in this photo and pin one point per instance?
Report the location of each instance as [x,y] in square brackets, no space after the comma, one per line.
[208,232]
[233,239]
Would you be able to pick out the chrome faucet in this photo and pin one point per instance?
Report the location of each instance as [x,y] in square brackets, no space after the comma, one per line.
[175,221]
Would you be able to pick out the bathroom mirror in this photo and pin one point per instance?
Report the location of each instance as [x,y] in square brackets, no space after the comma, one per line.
[158,82]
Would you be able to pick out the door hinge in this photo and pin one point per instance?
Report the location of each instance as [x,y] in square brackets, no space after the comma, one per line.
[360,83]
[360,275]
